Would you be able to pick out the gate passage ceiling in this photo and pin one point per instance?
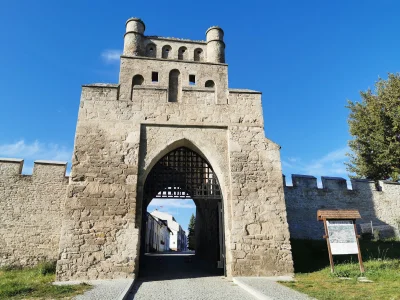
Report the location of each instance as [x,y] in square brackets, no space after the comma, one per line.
[182,173]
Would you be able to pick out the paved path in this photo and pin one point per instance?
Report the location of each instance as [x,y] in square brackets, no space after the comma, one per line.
[106,289]
[183,277]
[113,289]
[267,288]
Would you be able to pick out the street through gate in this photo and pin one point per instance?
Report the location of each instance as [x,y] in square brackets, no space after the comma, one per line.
[184,174]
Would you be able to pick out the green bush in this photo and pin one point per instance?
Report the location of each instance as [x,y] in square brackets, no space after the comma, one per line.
[48,267]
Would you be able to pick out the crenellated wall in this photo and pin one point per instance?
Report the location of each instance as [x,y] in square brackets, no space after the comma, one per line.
[381,205]
[31,210]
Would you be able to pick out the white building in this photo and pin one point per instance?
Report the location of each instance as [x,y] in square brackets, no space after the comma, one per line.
[157,235]
[178,238]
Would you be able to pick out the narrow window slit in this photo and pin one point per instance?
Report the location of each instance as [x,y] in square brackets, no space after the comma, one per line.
[192,79]
[154,77]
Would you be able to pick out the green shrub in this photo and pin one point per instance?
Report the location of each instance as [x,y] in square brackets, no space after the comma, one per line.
[48,267]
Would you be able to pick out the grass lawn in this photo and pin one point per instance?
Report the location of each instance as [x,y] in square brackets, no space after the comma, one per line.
[36,282]
[314,278]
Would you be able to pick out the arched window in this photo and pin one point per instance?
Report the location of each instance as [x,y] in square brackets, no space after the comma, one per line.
[182,53]
[136,80]
[174,87]
[209,84]
[151,50]
[198,54]
[166,51]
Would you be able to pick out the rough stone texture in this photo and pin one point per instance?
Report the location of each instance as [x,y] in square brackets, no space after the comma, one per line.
[31,208]
[123,131]
[303,199]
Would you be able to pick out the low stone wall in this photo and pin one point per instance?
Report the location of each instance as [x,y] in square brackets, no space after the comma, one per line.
[379,207]
[31,208]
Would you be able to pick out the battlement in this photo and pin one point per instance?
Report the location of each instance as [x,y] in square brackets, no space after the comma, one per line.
[379,205]
[340,184]
[42,169]
[31,210]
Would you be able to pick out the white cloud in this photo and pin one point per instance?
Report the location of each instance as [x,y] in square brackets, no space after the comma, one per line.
[173,203]
[111,55]
[331,164]
[35,151]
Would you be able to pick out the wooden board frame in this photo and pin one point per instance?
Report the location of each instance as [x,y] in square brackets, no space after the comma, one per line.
[335,215]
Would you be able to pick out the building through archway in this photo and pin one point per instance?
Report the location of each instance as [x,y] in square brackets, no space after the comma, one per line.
[184,174]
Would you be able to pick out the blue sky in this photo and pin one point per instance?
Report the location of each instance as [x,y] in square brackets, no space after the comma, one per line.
[307,57]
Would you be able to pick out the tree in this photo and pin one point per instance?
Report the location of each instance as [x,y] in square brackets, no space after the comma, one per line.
[374,124]
[191,234]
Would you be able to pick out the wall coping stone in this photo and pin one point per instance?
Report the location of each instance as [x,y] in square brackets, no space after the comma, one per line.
[200,124]
[303,176]
[172,39]
[11,160]
[101,85]
[332,178]
[174,60]
[244,91]
[50,162]
[150,87]
[361,180]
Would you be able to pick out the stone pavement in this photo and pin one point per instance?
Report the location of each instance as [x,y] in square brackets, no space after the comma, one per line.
[267,288]
[115,289]
[182,277]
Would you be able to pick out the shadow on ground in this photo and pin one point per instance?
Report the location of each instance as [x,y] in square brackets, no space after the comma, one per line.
[171,266]
[175,266]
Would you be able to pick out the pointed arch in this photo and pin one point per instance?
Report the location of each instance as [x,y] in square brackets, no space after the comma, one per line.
[210,216]
[205,153]
[182,173]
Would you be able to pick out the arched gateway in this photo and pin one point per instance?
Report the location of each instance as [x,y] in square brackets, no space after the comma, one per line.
[183,173]
[133,144]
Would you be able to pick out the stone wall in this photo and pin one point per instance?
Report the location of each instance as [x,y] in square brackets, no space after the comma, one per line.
[380,206]
[31,211]
[163,102]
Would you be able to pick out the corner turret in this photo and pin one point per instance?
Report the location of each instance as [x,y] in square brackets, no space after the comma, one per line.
[133,38]
[215,45]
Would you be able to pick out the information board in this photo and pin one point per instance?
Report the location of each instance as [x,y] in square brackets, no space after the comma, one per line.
[342,237]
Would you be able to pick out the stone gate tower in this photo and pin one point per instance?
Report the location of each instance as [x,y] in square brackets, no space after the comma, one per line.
[172,97]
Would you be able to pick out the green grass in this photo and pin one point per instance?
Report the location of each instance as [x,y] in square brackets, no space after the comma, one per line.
[35,282]
[313,275]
